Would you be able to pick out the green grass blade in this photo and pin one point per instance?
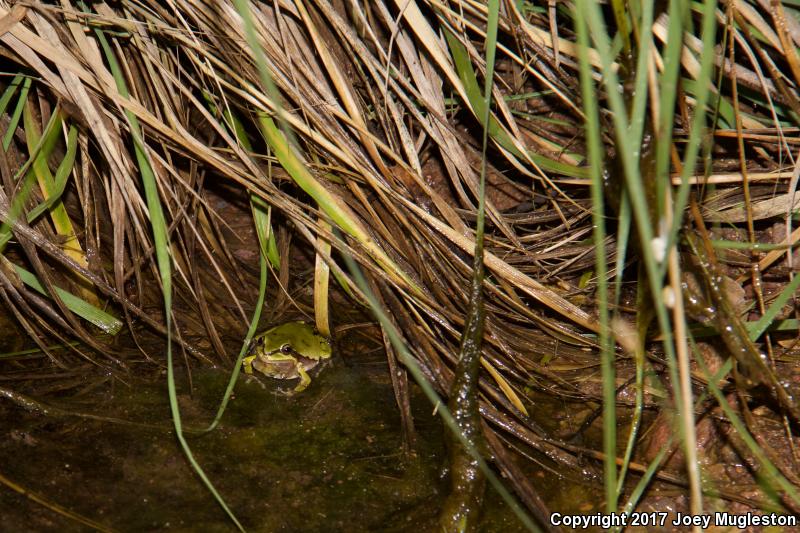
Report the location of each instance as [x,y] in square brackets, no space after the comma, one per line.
[282,144]
[668,87]
[18,202]
[468,79]
[105,321]
[330,204]
[269,252]
[595,151]
[697,131]
[757,328]
[754,246]
[8,94]
[416,372]
[62,174]
[640,90]
[768,470]
[251,330]
[163,261]
[17,114]
[262,212]
[62,223]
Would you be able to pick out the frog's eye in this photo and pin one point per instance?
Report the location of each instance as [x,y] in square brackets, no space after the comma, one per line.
[286,348]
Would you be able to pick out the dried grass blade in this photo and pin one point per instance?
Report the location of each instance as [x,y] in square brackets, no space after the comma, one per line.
[513,275]
[322,274]
[56,508]
[505,386]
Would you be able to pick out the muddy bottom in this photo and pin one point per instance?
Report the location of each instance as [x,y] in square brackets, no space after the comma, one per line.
[328,459]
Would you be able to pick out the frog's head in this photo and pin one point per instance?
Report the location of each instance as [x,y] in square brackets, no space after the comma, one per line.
[293,339]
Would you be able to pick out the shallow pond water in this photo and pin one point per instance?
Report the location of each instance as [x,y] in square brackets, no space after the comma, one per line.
[328,459]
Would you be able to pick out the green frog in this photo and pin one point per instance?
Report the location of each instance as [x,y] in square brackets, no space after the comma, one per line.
[288,351]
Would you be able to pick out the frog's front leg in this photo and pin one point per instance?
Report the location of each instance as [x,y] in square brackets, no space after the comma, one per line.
[305,380]
[247,364]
